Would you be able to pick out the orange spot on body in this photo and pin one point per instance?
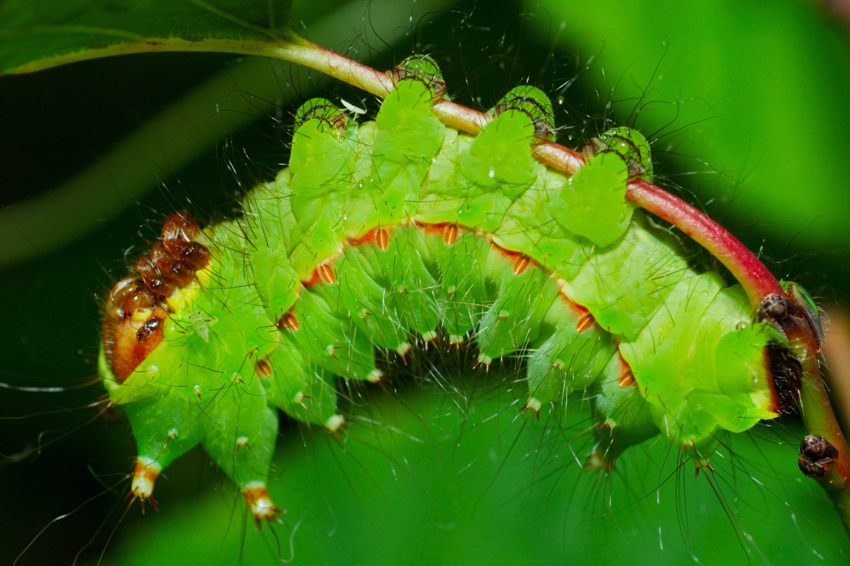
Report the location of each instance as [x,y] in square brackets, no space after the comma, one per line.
[584,322]
[521,264]
[521,261]
[626,376]
[326,273]
[450,234]
[263,369]
[287,320]
[313,279]
[378,236]
[382,239]
[366,238]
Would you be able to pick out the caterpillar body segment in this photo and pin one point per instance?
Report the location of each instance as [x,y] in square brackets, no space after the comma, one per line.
[377,235]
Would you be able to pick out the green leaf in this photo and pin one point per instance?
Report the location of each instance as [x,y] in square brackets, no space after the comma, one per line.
[39,35]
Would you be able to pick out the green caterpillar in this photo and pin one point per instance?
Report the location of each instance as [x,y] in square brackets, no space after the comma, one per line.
[402,231]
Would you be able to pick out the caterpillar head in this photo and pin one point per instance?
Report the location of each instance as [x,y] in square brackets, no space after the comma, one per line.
[137,324]
[137,306]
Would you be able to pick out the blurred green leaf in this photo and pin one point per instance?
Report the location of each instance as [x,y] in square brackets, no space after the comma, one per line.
[39,35]
[426,476]
[755,90]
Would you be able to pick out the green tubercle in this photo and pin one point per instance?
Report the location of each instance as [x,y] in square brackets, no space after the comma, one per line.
[534,103]
[325,112]
[422,68]
[629,144]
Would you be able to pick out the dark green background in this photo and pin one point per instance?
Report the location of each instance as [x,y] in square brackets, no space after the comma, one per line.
[745,101]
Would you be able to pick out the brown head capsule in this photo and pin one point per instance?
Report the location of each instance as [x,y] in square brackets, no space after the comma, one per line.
[135,312]
[179,233]
[129,339]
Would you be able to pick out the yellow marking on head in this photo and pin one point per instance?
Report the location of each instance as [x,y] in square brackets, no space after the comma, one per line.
[182,297]
[141,315]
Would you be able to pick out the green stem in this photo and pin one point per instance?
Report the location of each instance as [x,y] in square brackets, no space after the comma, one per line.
[298,50]
[819,418]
